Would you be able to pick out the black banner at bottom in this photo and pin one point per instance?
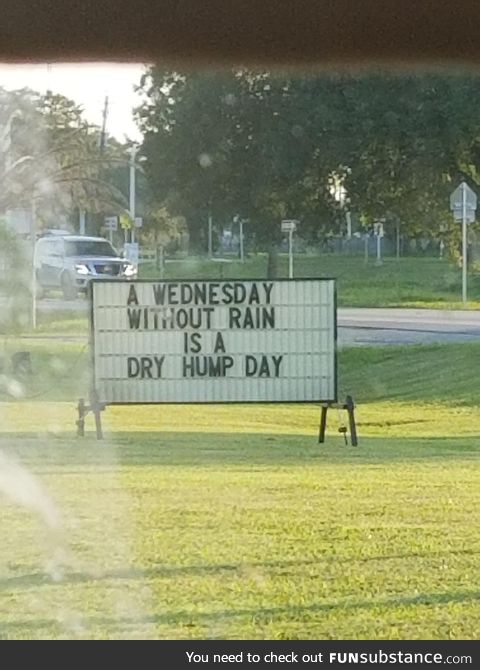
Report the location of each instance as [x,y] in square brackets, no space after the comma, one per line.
[254,654]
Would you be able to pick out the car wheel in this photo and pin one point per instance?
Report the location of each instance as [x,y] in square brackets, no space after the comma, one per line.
[69,289]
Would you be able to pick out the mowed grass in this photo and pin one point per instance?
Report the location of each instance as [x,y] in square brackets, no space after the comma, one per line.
[233,522]
[408,282]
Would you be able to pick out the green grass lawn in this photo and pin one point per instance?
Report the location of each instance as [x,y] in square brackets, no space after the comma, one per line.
[231,521]
[409,282]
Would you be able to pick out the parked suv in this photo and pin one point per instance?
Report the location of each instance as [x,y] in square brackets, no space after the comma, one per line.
[69,262]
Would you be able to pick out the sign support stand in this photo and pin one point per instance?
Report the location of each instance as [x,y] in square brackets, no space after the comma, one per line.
[83,410]
[349,406]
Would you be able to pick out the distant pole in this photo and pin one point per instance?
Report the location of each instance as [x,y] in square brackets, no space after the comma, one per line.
[103,135]
[210,235]
[398,241]
[82,221]
[464,242]
[367,239]
[33,236]
[133,152]
[161,261]
[290,253]
[132,195]
[379,233]
[242,258]
[379,250]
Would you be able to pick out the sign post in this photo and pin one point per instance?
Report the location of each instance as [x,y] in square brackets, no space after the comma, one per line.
[111,224]
[210,235]
[238,219]
[289,226]
[242,257]
[379,233]
[463,203]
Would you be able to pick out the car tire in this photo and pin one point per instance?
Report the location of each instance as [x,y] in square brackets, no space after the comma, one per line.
[69,289]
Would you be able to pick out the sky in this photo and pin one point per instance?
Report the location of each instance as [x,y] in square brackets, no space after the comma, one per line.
[87,85]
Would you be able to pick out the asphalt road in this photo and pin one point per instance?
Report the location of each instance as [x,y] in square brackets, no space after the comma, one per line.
[361,326]
[364,326]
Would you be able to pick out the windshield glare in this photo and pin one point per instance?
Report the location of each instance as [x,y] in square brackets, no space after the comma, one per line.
[89,248]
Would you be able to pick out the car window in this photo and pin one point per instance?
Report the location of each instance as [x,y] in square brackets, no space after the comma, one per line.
[89,248]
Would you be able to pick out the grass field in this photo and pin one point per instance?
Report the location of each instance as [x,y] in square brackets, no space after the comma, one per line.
[232,522]
[411,281]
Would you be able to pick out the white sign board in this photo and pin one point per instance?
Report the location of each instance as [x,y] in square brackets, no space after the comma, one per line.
[457,197]
[463,200]
[288,225]
[469,215]
[138,222]
[214,341]
[111,223]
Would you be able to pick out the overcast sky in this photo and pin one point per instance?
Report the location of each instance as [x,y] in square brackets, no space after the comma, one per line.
[87,85]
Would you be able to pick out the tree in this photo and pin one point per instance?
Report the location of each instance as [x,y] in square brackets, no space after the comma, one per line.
[53,157]
[269,146]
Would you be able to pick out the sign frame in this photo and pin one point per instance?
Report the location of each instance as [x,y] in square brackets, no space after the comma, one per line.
[317,401]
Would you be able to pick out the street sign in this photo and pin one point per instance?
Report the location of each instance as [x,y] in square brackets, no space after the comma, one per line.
[378,229]
[111,223]
[458,215]
[457,198]
[138,222]
[463,203]
[289,225]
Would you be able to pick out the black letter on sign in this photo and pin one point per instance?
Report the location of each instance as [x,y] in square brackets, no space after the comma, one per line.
[133,367]
[250,366]
[132,296]
[219,344]
[192,343]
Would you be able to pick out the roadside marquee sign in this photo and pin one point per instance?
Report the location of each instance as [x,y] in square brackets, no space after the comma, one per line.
[229,341]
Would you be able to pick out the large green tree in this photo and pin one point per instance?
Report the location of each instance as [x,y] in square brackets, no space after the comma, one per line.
[269,146]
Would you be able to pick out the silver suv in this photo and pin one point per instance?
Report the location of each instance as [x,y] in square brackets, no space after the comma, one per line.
[69,262]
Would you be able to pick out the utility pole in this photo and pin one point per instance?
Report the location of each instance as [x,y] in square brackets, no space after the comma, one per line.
[242,255]
[103,136]
[133,152]
[82,217]
[33,237]
[210,234]
[464,242]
